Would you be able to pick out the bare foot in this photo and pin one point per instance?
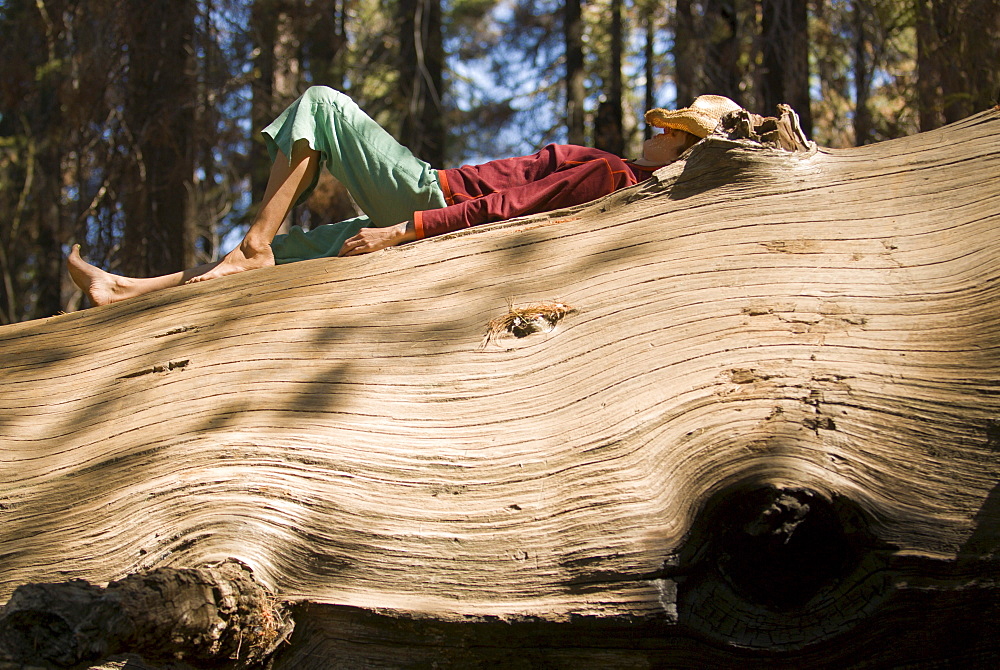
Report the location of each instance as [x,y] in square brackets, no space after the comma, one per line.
[240,259]
[103,288]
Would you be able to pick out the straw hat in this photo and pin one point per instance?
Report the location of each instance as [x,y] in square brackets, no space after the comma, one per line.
[700,119]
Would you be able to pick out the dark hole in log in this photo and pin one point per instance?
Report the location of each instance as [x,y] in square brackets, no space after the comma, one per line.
[522,327]
[779,547]
[526,320]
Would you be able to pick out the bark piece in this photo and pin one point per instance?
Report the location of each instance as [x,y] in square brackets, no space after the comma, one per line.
[781,132]
[207,614]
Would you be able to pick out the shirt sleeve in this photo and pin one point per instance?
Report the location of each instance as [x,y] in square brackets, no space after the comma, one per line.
[574,184]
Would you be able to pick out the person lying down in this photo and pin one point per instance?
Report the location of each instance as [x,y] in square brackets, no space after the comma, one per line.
[403,198]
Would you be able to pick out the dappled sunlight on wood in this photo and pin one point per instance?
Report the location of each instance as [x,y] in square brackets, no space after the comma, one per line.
[807,331]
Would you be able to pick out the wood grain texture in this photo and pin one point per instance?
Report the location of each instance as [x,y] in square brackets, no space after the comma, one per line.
[747,319]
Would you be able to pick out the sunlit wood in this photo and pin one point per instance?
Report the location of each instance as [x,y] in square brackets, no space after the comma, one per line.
[752,327]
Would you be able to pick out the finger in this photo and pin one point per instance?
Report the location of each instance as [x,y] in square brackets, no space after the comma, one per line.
[357,251]
[348,245]
[350,248]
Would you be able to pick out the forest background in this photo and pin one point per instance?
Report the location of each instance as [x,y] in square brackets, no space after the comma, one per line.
[131,126]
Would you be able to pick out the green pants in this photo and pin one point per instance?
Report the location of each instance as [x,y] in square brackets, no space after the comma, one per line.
[387,181]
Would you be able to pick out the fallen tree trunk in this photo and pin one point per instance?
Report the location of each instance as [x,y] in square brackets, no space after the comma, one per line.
[755,420]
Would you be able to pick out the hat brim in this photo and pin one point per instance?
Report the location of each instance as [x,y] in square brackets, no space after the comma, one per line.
[689,120]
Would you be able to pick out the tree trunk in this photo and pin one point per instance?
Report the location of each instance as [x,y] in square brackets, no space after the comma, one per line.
[48,265]
[264,107]
[863,72]
[573,34]
[275,28]
[785,46]
[928,70]
[609,134]
[687,56]
[752,417]
[955,89]
[722,49]
[159,111]
[983,53]
[421,68]
[327,40]
[649,60]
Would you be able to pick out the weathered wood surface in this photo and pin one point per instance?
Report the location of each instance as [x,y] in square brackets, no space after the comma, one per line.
[815,334]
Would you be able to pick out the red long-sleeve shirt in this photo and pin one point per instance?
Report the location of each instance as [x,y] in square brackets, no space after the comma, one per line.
[557,176]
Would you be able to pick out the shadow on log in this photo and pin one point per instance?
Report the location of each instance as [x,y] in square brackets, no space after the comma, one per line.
[756,425]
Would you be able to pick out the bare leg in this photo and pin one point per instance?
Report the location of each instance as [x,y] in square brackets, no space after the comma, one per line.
[104,288]
[285,184]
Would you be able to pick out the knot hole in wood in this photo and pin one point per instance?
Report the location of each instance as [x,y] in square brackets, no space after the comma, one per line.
[779,546]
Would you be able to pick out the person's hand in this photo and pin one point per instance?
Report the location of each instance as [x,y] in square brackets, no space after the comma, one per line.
[372,239]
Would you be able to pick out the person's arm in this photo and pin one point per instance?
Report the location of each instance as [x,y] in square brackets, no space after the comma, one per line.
[589,180]
[372,239]
[568,186]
